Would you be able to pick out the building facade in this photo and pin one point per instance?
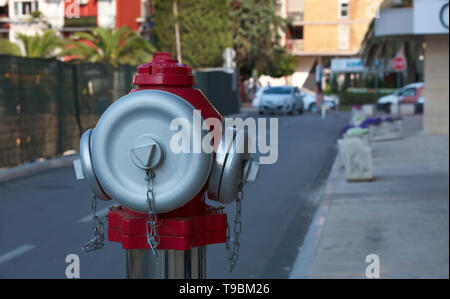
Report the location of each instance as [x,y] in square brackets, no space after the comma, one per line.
[321,30]
[66,16]
[428,19]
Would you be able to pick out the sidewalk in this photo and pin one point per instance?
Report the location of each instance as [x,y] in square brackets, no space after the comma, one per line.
[31,168]
[402,216]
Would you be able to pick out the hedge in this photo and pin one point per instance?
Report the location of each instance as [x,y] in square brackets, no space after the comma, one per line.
[350,98]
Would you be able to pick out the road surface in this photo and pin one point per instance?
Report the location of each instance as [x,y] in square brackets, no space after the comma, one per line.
[45,217]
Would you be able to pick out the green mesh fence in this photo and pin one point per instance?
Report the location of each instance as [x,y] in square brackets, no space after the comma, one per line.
[46,104]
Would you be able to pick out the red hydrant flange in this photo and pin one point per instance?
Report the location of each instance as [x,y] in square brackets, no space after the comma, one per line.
[129,228]
[196,223]
[164,70]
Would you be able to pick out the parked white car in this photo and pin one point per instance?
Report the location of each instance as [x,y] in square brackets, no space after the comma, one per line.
[309,99]
[281,99]
[310,103]
[257,97]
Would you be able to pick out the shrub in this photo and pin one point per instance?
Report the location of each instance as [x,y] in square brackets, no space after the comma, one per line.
[350,98]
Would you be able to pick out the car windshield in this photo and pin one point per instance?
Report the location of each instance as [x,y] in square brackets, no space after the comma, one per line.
[406,92]
[278,90]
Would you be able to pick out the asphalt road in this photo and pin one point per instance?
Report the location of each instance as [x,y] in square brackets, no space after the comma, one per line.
[45,217]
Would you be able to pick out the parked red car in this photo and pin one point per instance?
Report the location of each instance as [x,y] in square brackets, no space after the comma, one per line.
[411,95]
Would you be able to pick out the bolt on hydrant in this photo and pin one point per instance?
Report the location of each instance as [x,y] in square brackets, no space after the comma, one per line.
[134,156]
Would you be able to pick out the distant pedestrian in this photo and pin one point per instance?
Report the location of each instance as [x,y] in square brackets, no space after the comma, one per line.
[319,96]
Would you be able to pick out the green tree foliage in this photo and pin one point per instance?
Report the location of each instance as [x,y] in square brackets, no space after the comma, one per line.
[207,27]
[204,30]
[46,45]
[256,37]
[9,48]
[111,46]
[283,63]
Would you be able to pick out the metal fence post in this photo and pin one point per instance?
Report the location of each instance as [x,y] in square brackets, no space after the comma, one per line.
[76,97]
[59,106]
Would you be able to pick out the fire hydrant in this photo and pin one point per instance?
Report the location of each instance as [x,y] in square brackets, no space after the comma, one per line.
[133,156]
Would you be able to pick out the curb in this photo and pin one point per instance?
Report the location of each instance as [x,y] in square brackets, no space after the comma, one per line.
[31,168]
[306,257]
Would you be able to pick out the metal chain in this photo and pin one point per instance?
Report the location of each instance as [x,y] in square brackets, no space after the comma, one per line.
[98,228]
[233,251]
[152,235]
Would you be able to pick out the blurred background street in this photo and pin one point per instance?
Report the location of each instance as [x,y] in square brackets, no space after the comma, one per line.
[359,87]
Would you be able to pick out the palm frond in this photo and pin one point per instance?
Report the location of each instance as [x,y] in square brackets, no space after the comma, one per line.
[9,48]
[109,45]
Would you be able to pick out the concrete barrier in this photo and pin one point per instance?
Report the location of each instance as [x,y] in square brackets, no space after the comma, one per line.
[369,109]
[387,130]
[358,161]
[355,155]
[407,109]
[394,110]
[345,144]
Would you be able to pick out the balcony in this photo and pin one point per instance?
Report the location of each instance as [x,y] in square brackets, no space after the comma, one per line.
[423,18]
[295,46]
[82,22]
[296,17]
[395,21]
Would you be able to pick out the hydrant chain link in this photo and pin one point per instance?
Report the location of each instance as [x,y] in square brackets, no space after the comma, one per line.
[153,238]
[98,228]
[233,253]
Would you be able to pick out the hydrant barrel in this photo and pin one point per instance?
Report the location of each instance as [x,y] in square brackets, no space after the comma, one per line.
[171,264]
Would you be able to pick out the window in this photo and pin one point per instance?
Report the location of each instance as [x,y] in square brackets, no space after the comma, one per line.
[410,92]
[343,36]
[295,32]
[344,9]
[26,8]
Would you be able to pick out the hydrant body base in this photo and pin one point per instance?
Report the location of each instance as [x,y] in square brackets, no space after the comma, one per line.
[129,228]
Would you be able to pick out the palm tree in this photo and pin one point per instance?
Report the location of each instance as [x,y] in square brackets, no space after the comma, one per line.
[46,45]
[111,46]
[387,47]
[9,48]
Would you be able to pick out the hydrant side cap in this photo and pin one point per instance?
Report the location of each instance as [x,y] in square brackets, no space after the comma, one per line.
[164,71]
[87,167]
